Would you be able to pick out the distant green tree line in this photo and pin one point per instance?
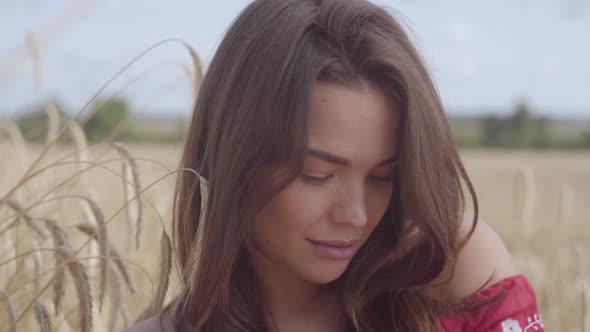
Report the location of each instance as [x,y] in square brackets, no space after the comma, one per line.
[521,129]
[104,119]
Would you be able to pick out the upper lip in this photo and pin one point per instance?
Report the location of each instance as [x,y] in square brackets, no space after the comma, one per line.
[336,243]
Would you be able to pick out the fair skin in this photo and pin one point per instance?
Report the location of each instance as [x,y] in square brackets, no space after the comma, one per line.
[359,124]
[353,123]
[483,261]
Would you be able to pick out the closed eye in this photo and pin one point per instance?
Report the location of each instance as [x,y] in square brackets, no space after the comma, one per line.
[324,179]
[382,178]
[313,179]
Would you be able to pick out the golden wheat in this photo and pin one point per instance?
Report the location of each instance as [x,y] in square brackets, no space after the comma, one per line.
[14,134]
[18,199]
[556,277]
[80,277]
[584,287]
[524,185]
[90,230]
[79,139]
[10,310]
[544,214]
[42,317]
[115,298]
[60,239]
[131,174]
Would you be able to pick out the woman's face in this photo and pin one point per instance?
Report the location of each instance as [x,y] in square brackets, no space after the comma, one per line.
[313,227]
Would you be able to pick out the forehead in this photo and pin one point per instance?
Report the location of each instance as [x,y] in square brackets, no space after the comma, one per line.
[357,122]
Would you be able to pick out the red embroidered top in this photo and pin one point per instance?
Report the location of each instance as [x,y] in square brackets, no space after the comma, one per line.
[516,311]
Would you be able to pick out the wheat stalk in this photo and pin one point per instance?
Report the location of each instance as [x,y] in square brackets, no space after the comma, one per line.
[37,259]
[585,288]
[43,153]
[16,137]
[14,133]
[50,108]
[90,230]
[14,205]
[197,73]
[80,277]
[124,205]
[165,266]
[10,310]
[163,280]
[196,245]
[80,140]
[53,122]
[106,222]
[25,285]
[73,176]
[16,59]
[115,296]
[131,211]
[95,214]
[8,248]
[36,55]
[42,317]
[29,221]
[125,317]
[525,207]
[204,190]
[131,174]
[60,239]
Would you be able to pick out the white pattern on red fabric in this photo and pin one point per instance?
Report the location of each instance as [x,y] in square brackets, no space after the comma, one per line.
[511,325]
[534,323]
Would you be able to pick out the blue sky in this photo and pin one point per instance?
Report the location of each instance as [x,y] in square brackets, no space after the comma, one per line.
[483,55]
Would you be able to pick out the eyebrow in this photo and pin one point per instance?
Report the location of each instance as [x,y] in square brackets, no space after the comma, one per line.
[342,161]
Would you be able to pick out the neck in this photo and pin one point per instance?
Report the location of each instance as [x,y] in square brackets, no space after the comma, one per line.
[289,297]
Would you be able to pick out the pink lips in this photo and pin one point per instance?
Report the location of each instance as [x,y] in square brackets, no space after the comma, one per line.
[336,250]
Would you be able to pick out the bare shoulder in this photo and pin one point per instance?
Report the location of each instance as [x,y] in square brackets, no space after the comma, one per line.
[483,261]
[152,324]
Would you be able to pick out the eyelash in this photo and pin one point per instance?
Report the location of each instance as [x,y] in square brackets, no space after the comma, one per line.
[325,179]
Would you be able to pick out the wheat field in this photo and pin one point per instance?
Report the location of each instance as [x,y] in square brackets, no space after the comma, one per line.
[52,277]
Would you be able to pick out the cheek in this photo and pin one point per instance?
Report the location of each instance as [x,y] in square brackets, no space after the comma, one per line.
[377,204]
[289,218]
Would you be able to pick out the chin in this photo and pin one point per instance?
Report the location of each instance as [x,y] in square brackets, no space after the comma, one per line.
[325,273]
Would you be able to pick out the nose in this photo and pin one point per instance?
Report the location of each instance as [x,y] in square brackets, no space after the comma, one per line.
[351,209]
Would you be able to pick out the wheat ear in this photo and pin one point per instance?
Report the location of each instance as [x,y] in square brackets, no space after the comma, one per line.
[10,310]
[90,229]
[59,239]
[130,168]
[42,317]
[80,277]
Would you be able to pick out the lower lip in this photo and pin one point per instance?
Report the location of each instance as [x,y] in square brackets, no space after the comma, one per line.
[335,253]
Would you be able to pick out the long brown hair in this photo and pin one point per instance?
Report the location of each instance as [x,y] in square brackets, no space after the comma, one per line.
[251,116]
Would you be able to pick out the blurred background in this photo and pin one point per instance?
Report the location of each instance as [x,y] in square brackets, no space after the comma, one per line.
[513,75]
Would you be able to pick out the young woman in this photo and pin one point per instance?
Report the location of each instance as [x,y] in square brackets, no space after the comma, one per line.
[334,197]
